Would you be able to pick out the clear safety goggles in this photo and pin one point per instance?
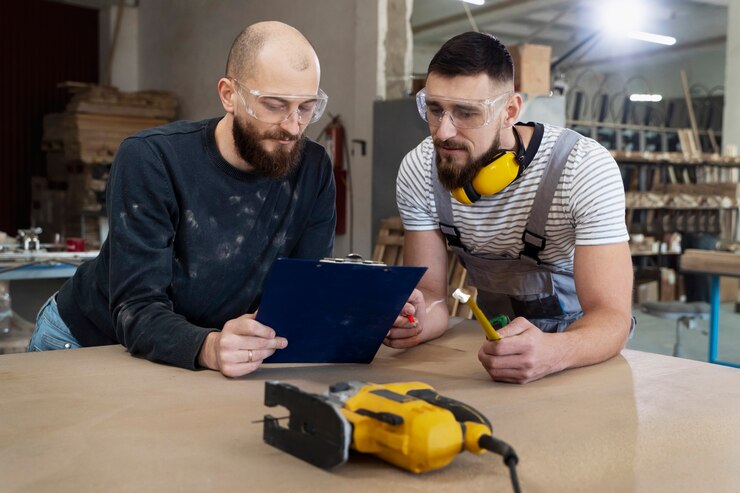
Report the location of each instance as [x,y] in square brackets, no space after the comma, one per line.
[463,113]
[277,108]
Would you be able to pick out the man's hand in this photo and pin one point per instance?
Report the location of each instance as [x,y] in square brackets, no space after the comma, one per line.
[240,347]
[406,333]
[523,354]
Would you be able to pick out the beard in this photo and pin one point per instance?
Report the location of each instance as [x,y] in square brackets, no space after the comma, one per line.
[453,175]
[271,164]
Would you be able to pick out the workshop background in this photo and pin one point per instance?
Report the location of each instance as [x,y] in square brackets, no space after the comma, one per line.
[654,81]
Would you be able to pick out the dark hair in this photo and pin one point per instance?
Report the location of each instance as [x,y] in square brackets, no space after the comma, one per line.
[473,53]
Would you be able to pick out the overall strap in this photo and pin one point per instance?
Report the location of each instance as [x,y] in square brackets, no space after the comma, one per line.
[443,200]
[534,231]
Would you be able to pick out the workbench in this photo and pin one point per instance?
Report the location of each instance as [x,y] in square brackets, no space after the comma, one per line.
[24,265]
[98,419]
[30,265]
[717,264]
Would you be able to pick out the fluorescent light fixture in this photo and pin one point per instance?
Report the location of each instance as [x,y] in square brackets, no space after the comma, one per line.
[475,2]
[652,98]
[652,38]
[621,18]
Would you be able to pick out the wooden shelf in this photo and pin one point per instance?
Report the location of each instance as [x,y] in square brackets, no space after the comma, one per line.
[674,208]
[673,159]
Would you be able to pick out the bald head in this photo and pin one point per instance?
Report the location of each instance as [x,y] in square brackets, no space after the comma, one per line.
[269,41]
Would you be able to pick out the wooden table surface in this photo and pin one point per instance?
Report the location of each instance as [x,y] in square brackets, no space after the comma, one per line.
[711,262]
[98,419]
[716,264]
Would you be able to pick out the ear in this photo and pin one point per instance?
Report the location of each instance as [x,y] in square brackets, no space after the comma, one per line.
[513,110]
[227,95]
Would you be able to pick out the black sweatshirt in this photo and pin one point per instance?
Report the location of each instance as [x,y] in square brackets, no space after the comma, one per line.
[191,241]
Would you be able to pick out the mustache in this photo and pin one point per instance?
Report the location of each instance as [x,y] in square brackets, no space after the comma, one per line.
[448,144]
[280,134]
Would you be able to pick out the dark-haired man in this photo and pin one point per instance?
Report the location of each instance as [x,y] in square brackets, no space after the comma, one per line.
[540,228]
[198,213]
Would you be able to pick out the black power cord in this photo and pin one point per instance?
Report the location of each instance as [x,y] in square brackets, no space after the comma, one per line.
[507,452]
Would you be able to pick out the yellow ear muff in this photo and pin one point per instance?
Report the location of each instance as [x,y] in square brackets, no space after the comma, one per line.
[461,196]
[497,175]
[491,179]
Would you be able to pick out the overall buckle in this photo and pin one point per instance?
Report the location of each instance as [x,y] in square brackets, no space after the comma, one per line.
[452,234]
[533,245]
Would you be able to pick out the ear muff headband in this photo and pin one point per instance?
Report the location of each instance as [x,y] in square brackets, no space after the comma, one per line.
[494,177]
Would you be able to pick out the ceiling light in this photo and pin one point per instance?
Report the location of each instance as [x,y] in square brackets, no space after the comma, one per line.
[652,38]
[652,98]
[475,2]
[623,15]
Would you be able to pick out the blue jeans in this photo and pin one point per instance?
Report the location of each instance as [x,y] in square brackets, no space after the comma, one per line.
[51,332]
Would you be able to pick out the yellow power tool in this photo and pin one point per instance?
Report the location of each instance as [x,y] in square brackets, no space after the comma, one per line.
[407,424]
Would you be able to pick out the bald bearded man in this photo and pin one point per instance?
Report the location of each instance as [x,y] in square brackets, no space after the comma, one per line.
[198,213]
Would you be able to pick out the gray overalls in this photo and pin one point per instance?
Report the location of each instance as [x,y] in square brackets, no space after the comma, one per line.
[522,286]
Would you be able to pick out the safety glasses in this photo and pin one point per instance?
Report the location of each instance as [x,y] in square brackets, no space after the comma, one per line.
[277,108]
[463,113]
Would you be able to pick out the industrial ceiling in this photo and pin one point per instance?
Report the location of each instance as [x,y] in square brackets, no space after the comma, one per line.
[572,27]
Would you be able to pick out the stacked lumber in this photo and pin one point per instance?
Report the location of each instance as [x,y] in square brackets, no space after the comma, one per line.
[97,119]
[102,100]
[80,145]
[91,138]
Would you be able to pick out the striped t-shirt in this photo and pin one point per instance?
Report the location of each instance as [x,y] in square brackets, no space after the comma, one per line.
[587,209]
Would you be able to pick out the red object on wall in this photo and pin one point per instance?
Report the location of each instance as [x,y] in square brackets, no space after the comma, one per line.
[340,178]
[334,134]
[75,244]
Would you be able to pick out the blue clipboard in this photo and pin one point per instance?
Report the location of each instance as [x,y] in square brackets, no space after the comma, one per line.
[333,312]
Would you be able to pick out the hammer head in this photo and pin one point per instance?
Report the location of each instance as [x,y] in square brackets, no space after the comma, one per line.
[461,296]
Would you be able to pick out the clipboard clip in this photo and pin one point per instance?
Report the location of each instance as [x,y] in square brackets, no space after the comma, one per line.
[352,258]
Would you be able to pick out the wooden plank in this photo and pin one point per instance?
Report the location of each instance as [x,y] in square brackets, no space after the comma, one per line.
[690,108]
[711,262]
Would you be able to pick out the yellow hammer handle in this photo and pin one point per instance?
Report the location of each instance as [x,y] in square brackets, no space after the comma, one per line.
[491,333]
